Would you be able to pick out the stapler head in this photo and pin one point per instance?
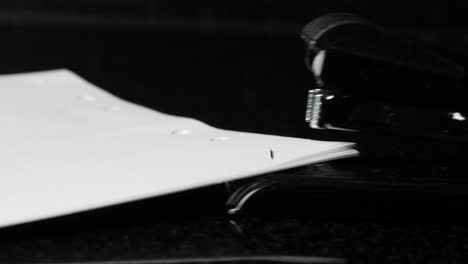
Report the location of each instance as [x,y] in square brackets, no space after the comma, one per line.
[369,79]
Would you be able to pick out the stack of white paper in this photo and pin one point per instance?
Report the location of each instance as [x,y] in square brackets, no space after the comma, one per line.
[67,146]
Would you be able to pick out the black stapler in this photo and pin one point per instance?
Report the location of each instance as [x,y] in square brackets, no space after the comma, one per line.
[405,107]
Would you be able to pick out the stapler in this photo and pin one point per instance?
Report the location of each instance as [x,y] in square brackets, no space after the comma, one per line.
[404,106]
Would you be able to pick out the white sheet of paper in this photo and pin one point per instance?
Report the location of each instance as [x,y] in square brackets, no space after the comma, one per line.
[68,146]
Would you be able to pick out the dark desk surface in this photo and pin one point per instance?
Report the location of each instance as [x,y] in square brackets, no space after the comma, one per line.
[359,242]
[179,226]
